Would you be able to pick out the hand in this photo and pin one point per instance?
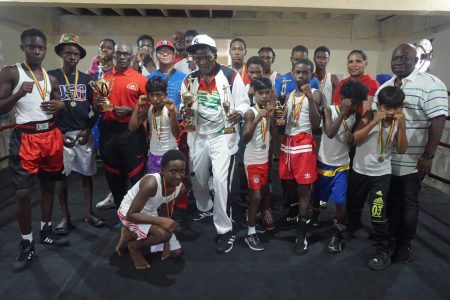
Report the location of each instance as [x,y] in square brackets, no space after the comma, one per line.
[270,109]
[234,117]
[192,65]
[261,114]
[424,166]
[168,224]
[348,137]
[83,136]
[99,101]
[306,89]
[381,115]
[345,106]
[143,102]
[52,106]
[280,112]
[69,141]
[400,117]
[170,105]
[122,111]
[25,88]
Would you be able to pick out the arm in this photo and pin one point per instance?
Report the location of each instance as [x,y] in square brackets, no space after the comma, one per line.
[334,81]
[138,116]
[9,76]
[315,100]
[402,141]
[361,134]
[434,136]
[55,106]
[367,104]
[250,125]
[241,100]
[331,128]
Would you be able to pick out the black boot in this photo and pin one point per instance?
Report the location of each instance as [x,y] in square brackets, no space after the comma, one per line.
[301,244]
[337,240]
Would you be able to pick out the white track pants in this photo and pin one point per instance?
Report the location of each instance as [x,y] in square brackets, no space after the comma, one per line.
[212,150]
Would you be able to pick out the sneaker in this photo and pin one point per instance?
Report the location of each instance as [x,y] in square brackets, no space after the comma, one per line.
[225,242]
[50,238]
[323,204]
[199,215]
[106,203]
[23,259]
[253,242]
[259,228]
[336,243]
[380,261]
[289,222]
[301,245]
[268,221]
[403,254]
[314,221]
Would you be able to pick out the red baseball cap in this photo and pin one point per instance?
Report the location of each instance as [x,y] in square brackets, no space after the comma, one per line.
[164,43]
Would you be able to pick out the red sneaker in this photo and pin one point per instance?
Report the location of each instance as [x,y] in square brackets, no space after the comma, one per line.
[268,221]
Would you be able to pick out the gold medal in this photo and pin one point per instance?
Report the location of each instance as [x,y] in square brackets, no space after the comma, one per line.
[73,103]
[380,158]
[263,146]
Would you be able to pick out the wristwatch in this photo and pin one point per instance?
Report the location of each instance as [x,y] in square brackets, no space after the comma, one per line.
[428,156]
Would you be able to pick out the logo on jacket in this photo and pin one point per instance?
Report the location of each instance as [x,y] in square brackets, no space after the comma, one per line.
[132,86]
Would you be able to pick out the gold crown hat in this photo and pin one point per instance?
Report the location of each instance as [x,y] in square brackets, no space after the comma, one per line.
[70,39]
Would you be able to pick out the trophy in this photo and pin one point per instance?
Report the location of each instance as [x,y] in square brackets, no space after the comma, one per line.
[226,111]
[280,109]
[188,98]
[103,86]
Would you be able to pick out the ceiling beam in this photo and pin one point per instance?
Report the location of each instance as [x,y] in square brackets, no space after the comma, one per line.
[334,16]
[119,11]
[164,12]
[143,12]
[309,15]
[188,13]
[73,10]
[234,13]
[210,13]
[260,14]
[96,11]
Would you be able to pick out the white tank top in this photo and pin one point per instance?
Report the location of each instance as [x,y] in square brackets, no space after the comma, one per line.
[255,152]
[273,77]
[366,156]
[334,152]
[28,108]
[161,139]
[327,88]
[153,203]
[302,124]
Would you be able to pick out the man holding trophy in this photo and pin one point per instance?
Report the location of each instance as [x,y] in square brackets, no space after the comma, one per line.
[123,152]
[221,101]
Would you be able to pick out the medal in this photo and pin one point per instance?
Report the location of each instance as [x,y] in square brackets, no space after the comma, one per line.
[382,146]
[73,103]
[380,158]
[296,108]
[75,92]
[42,91]
[263,146]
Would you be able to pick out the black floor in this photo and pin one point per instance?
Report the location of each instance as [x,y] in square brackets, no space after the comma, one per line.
[89,268]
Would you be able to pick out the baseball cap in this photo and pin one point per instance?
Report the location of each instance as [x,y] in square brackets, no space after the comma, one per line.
[201,41]
[164,43]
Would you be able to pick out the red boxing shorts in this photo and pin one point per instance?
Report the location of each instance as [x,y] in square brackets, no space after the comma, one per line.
[36,148]
[298,158]
[257,175]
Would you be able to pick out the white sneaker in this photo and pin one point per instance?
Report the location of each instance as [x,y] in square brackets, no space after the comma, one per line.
[323,204]
[107,203]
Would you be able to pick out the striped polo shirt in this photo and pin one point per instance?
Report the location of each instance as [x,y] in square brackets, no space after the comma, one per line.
[210,115]
[426,98]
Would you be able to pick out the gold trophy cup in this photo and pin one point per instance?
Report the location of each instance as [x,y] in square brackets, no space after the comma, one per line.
[103,87]
[187,115]
[226,111]
[280,109]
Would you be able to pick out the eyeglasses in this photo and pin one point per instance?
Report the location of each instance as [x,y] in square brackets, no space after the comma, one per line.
[164,52]
[208,58]
[119,54]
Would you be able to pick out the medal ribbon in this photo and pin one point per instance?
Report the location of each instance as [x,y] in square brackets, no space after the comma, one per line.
[296,109]
[169,211]
[155,125]
[382,146]
[75,92]
[42,91]
[344,123]
[264,125]
[323,82]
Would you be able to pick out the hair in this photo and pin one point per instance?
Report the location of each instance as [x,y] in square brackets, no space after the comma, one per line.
[354,90]
[190,32]
[170,156]
[261,83]
[32,32]
[113,42]
[156,84]
[322,49]
[238,40]
[307,62]
[145,37]
[299,48]
[391,97]
[359,51]
[267,49]
[255,60]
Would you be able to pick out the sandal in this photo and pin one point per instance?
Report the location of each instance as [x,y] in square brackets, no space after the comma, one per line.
[64,227]
[94,221]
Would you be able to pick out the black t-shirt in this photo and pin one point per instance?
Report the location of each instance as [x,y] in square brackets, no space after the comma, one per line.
[74,117]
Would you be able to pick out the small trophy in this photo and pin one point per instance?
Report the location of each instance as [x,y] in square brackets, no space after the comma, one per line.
[103,86]
[280,109]
[226,111]
[187,114]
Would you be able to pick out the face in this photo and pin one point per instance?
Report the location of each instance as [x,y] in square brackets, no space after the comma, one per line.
[107,48]
[178,41]
[188,40]
[165,55]
[321,59]
[356,65]
[147,45]
[237,52]
[403,61]
[390,112]
[254,71]
[174,172]
[123,56]
[70,55]
[34,48]
[262,97]
[205,60]
[298,55]
[157,98]
[302,74]
[267,57]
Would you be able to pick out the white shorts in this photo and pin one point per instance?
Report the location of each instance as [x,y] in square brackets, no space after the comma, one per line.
[80,158]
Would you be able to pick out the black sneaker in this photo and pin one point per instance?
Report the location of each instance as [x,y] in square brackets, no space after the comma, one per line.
[253,242]
[301,245]
[403,254]
[225,242]
[23,259]
[380,261]
[336,243]
[199,215]
[50,238]
[289,222]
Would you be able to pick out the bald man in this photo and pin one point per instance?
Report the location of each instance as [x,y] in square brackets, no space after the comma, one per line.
[123,152]
[426,108]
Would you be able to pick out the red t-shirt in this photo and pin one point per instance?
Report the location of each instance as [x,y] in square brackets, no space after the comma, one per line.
[177,58]
[244,75]
[126,89]
[366,79]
